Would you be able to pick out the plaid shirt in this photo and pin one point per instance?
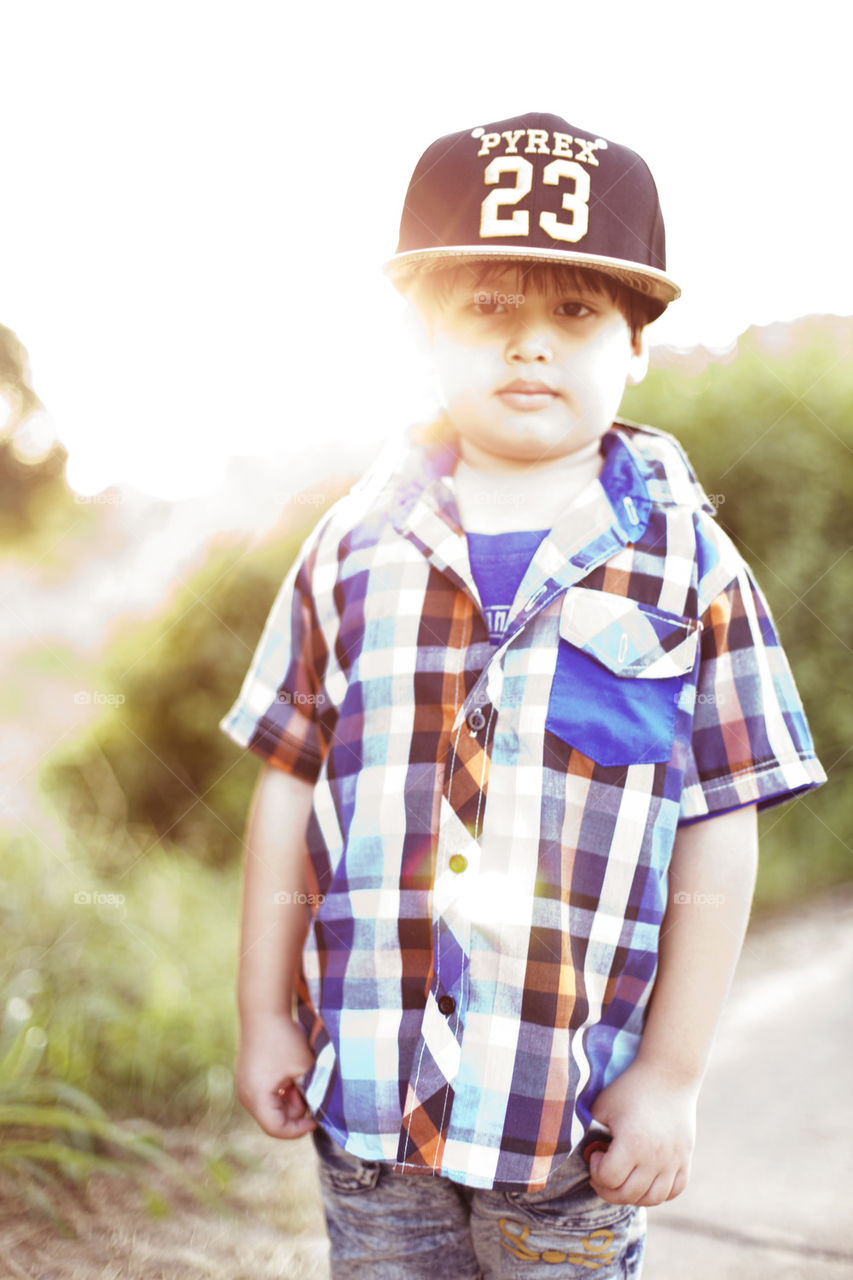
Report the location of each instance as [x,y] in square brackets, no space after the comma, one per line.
[492,828]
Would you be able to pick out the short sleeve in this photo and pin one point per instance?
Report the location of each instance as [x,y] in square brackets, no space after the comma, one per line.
[279,712]
[751,742]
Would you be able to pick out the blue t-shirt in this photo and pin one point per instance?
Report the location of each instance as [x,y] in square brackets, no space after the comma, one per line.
[499,561]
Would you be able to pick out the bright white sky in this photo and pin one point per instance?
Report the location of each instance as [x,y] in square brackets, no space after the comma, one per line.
[197,196]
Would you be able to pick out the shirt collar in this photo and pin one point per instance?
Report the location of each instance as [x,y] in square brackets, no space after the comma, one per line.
[643,466]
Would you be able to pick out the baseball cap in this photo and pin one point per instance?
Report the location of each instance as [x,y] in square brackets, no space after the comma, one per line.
[534,188]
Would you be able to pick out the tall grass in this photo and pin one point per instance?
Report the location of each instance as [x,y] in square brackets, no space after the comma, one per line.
[118,1009]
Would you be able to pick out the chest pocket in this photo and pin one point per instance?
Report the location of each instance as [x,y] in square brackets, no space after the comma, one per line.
[620,670]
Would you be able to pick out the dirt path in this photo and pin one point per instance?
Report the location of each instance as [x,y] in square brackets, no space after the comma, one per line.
[769,1193]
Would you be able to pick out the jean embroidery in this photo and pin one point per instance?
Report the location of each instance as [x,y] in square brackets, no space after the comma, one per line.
[597,1247]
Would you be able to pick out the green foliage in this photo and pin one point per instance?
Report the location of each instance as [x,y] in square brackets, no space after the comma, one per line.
[15,377]
[125,1005]
[51,1132]
[155,767]
[29,492]
[771,437]
[122,988]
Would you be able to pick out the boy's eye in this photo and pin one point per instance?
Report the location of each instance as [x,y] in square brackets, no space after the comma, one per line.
[577,309]
[486,304]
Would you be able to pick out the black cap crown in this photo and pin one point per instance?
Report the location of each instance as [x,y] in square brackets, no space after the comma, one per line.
[535,188]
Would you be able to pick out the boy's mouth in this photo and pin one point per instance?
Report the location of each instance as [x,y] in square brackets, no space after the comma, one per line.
[527,395]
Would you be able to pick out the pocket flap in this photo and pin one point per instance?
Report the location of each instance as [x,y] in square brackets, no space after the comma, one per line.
[629,638]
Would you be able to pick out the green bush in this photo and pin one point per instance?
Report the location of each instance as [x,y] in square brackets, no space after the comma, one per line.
[121,988]
[157,768]
[118,1013]
[771,437]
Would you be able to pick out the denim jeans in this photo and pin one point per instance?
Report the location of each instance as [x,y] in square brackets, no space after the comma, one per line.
[394,1226]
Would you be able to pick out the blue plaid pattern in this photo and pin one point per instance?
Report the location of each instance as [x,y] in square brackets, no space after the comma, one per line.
[492,827]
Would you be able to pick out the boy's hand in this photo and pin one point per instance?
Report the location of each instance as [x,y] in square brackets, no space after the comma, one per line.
[273,1054]
[652,1118]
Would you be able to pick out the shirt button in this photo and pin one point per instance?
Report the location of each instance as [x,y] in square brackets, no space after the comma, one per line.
[476,720]
[458,862]
[446,1005]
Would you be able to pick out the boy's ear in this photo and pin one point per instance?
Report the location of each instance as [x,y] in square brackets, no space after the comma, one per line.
[639,365]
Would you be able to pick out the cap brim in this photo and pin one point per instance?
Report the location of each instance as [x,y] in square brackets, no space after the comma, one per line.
[646,280]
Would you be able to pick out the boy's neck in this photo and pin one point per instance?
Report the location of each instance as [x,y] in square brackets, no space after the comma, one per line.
[493,464]
[530,498]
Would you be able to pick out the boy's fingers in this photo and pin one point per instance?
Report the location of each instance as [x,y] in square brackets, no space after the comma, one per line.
[659,1191]
[277,1125]
[291,1102]
[294,1115]
[268,1116]
[296,1128]
[610,1167]
[284,1114]
[609,1171]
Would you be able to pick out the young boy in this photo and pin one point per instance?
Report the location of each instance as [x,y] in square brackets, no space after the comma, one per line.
[520,698]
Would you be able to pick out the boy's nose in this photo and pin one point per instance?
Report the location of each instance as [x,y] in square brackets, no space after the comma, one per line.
[530,343]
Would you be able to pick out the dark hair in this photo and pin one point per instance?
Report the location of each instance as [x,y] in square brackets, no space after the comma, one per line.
[435,287]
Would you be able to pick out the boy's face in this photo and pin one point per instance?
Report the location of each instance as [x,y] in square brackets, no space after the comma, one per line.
[527,378]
